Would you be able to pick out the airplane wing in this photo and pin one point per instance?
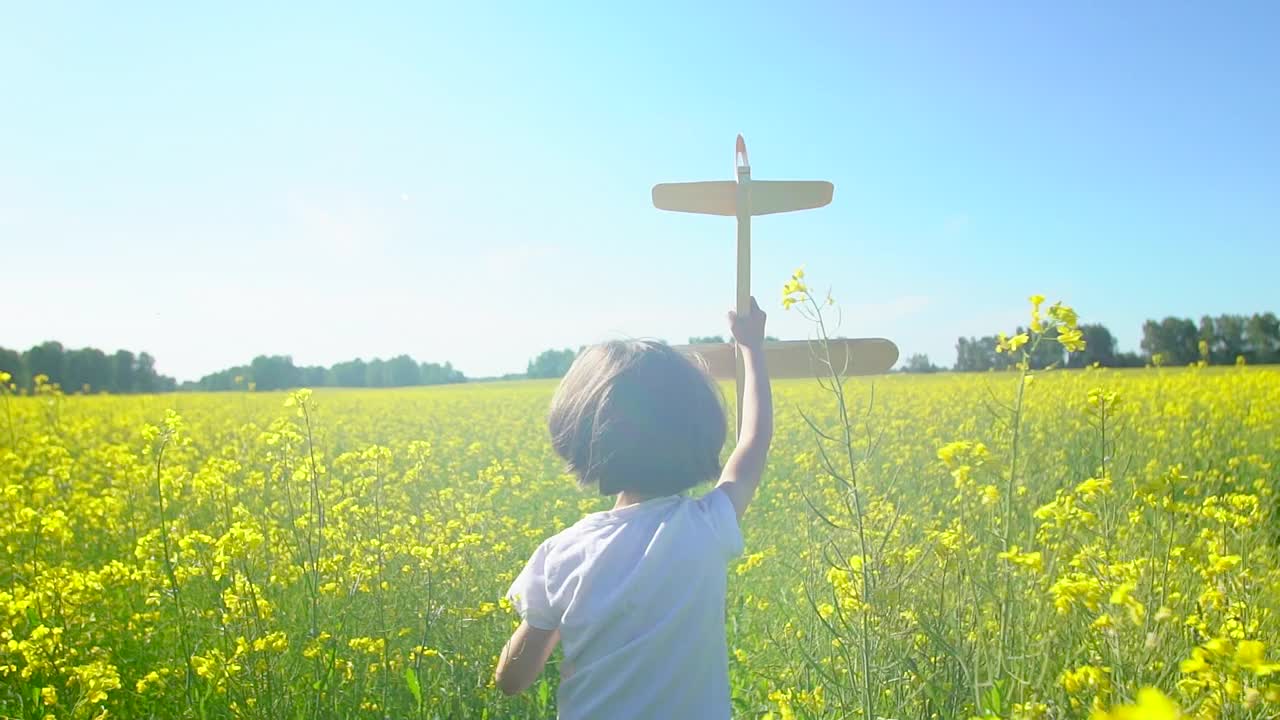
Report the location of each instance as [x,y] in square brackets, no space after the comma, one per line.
[799,358]
[778,196]
[714,197]
[720,197]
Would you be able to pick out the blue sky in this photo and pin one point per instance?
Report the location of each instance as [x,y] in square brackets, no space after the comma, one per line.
[472,183]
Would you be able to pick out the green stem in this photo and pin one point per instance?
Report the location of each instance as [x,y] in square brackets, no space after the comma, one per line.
[8,411]
[838,389]
[1006,530]
[172,576]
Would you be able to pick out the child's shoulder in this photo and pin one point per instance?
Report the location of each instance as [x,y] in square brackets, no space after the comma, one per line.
[572,534]
[712,511]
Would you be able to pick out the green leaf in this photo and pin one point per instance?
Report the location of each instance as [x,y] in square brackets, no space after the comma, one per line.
[415,688]
[544,694]
[995,698]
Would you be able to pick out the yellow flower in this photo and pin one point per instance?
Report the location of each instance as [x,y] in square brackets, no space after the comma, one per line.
[783,700]
[1030,711]
[1064,314]
[1036,324]
[1123,596]
[749,562]
[1152,705]
[794,290]
[95,680]
[1030,560]
[1198,662]
[1087,677]
[1011,345]
[1251,655]
[990,494]
[1071,339]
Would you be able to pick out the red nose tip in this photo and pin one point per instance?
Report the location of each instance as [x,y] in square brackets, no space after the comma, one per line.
[740,153]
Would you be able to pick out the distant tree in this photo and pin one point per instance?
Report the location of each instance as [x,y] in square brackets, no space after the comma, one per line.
[146,379]
[1129,359]
[375,373]
[551,364]
[349,374]
[919,363]
[88,370]
[1224,338]
[313,376]
[979,354]
[274,372]
[1100,347]
[11,362]
[234,378]
[968,357]
[402,371]
[1205,338]
[122,372]
[1232,339]
[1175,340]
[48,359]
[433,374]
[1262,334]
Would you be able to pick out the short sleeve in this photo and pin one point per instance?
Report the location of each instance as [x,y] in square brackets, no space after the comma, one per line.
[717,509]
[528,593]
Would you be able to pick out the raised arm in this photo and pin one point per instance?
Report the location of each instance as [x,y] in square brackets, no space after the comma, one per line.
[741,475]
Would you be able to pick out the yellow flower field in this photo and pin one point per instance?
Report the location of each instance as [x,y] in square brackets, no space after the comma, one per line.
[961,553]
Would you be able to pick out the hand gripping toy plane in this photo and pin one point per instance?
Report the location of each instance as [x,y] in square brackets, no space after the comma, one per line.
[743,198]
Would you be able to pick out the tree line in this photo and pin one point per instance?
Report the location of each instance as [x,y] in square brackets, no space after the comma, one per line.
[1221,340]
[90,370]
[277,372]
[84,369]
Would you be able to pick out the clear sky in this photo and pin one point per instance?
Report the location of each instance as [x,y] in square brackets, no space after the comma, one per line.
[470,182]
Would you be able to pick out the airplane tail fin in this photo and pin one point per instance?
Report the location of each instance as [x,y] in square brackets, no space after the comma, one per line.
[800,358]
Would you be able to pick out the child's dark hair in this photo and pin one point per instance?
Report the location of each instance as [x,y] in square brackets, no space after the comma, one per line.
[638,416]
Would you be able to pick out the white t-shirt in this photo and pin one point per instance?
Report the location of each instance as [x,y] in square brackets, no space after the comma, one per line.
[638,594]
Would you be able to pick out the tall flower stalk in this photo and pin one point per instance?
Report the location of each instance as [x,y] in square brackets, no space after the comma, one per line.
[832,377]
[1061,326]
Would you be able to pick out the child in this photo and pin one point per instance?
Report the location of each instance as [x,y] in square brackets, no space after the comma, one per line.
[636,594]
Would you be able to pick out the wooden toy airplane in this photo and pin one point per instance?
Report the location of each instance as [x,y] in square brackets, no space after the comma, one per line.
[742,199]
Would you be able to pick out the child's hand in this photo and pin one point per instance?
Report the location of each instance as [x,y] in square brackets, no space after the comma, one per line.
[748,330]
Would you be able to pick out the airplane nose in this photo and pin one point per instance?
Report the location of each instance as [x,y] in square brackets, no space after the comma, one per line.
[740,153]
